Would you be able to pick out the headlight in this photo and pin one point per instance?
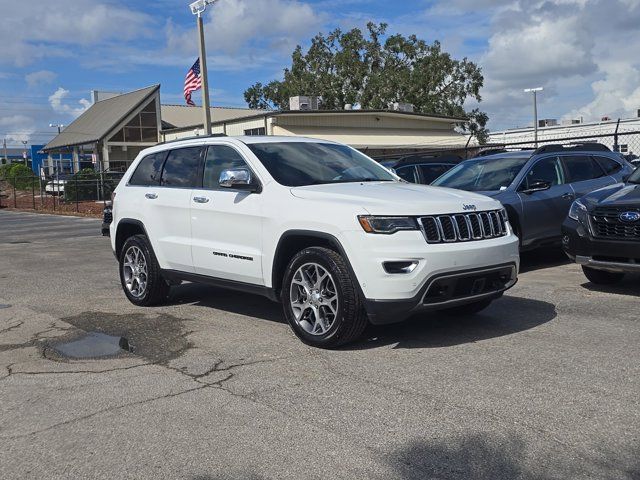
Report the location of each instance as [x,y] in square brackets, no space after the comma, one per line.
[578,211]
[386,225]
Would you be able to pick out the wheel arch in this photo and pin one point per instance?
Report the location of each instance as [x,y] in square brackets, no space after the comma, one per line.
[127,227]
[293,241]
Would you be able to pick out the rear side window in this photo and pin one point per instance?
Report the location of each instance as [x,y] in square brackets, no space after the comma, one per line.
[431,172]
[407,173]
[148,170]
[219,158]
[181,168]
[581,168]
[609,165]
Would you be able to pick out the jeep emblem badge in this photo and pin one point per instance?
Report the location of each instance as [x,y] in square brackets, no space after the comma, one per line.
[629,217]
[467,207]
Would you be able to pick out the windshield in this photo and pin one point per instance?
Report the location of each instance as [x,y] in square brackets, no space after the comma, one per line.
[482,174]
[296,164]
[635,176]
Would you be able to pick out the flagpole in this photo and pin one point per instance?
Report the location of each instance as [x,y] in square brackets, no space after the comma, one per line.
[204,76]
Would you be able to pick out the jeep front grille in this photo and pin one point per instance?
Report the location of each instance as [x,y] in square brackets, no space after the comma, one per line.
[463,227]
[606,223]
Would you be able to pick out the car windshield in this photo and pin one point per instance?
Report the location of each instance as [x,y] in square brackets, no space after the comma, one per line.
[296,164]
[483,174]
[635,176]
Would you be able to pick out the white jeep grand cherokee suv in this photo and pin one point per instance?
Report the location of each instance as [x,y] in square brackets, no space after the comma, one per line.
[334,236]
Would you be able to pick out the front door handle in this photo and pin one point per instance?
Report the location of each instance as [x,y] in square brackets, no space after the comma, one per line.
[568,196]
[200,199]
[151,196]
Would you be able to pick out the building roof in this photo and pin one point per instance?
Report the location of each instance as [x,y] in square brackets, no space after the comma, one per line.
[185,116]
[102,117]
[257,114]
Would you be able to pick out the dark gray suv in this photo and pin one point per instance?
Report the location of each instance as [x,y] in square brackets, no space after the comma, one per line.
[537,187]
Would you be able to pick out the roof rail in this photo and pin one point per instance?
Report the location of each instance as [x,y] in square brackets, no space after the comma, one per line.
[491,151]
[573,147]
[195,137]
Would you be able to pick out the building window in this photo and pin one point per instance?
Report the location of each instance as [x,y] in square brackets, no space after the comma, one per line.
[142,128]
[256,131]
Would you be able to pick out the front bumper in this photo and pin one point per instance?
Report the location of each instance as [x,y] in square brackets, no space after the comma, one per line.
[391,297]
[600,254]
[446,291]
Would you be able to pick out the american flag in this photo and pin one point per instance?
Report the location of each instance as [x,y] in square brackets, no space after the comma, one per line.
[192,82]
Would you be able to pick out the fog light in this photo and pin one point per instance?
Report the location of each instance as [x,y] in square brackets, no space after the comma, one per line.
[399,267]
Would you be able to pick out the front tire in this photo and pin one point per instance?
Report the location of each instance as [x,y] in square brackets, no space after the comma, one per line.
[140,273]
[602,277]
[320,299]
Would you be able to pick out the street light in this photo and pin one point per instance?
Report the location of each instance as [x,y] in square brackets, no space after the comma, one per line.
[198,8]
[535,111]
[59,126]
[24,151]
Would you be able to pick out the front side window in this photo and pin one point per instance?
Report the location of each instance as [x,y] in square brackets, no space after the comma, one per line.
[219,158]
[407,173]
[296,164]
[181,167]
[581,167]
[432,171]
[148,170]
[484,174]
[548,170]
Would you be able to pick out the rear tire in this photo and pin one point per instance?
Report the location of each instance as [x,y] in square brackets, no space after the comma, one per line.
[140,273]
[468,309]
[320,299]
[602,277]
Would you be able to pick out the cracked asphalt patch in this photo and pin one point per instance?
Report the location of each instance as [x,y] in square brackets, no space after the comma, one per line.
[542,385]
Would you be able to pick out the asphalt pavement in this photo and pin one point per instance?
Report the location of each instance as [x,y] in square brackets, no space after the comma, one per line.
[545,384]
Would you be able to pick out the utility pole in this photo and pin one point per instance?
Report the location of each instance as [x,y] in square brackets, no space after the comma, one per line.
[198,8]
[24,151]
[59,126]
[535,111]
[4,145]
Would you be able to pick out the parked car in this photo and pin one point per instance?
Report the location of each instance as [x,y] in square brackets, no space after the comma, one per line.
[326,230]
[56,186]
[602,231]
[107,217]
[538,186]
[422,169]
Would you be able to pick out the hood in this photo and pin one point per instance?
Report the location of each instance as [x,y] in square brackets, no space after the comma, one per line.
[397,198]
[618,195]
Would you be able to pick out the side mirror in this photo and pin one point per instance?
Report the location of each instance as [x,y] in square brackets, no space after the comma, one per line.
[238,179]
[539,186]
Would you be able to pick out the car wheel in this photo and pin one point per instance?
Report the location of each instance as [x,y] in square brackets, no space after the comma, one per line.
[468,309]
[140,273]
[602,277]
[321,302]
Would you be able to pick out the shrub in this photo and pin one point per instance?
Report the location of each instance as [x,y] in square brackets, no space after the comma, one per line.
[21,177]
[86,185]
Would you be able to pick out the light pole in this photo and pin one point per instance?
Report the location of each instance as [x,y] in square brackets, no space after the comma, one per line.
[59,126]
[535,111]
[198,8]
[24,151]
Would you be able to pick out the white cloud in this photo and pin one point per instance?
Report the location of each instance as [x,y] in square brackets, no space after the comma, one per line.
[21,128]
[41,77]
[583,52]
[44,28]
[249,29]
[56,100]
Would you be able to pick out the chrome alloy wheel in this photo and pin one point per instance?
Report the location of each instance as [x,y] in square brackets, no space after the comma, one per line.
[314,299]
[134,271]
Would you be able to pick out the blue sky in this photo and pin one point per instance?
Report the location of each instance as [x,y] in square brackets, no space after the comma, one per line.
[57,51]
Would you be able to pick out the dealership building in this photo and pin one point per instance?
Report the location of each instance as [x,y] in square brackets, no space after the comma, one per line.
[115,128]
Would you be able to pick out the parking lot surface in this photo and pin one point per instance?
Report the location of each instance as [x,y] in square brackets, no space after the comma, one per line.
[544,384]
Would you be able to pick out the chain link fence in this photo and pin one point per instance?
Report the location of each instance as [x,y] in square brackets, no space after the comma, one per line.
[85,192]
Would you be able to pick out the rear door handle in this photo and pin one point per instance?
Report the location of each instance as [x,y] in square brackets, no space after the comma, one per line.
[200,199]
[151,196]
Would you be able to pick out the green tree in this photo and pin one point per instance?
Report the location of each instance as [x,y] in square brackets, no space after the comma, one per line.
[351,67]
[21,177]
